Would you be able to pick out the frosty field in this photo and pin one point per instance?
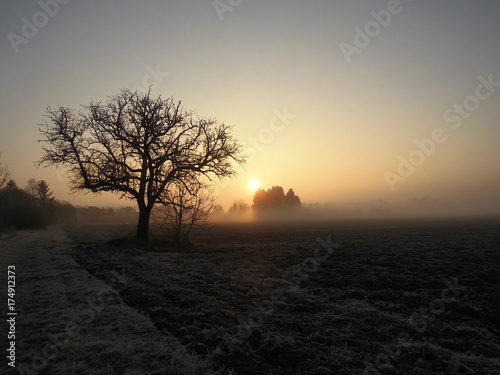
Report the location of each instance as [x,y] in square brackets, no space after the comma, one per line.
[408,297]
[414,297]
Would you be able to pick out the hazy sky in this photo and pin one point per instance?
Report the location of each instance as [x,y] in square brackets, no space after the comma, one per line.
[319,107]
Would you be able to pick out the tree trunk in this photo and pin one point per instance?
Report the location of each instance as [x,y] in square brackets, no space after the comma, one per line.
[143,224]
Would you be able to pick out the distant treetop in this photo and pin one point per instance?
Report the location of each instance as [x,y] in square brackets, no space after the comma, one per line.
[275,198]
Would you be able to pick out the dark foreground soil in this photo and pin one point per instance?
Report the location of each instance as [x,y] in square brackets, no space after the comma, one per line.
[324,298]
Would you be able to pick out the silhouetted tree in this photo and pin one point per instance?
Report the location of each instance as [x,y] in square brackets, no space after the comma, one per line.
[291,200]
[275,198]
[11,186]
[44,194]
[41,191]
[20,210]
[189,205]
[4,174]
[136,145]
[13,190]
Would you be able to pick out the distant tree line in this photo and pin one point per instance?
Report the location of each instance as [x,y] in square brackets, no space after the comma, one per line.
[93,215]
[33,207]
[272,203]
[275,199]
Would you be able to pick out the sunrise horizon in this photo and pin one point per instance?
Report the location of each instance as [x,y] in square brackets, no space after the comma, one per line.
[231,187]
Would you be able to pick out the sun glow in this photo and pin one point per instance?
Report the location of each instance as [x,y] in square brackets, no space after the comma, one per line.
[253,185]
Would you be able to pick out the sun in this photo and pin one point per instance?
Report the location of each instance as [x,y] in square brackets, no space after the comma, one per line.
[253,185]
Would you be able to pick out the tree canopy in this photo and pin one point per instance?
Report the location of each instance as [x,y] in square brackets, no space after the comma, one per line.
[137,145]
[275,198]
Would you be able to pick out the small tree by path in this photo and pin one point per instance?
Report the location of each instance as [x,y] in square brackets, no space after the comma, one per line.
[190,204]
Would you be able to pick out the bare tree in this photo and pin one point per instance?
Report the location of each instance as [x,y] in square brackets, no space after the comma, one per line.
[4,174]
[137,146]
[186,206]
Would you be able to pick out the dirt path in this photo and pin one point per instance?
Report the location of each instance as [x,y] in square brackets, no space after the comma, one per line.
[70,322]
[13,246]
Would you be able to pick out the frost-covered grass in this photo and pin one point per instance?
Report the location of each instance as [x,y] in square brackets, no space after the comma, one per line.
[397,298]
[70,322]
[394,298]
